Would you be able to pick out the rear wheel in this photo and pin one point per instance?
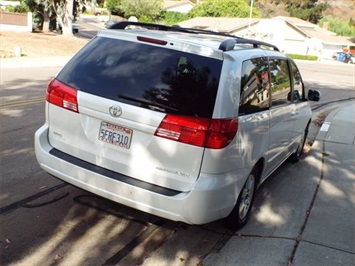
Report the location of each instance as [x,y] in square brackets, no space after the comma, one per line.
[241,211]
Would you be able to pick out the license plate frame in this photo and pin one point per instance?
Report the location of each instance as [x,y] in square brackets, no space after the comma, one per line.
[116,135]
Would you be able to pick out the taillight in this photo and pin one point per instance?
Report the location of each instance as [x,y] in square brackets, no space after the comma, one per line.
[221,133]
[201,132]
[62,95]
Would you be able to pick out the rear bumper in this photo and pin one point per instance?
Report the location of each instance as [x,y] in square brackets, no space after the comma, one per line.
[212,198]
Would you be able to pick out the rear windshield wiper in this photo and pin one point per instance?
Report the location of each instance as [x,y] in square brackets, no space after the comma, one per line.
[149,103]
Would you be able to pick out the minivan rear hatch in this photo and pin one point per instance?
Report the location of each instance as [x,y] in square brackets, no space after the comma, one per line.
[135,99]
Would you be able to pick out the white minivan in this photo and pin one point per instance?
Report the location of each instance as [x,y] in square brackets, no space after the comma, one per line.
[180,123]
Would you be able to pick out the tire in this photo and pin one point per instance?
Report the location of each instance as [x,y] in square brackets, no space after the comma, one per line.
[296,156]
[241,211]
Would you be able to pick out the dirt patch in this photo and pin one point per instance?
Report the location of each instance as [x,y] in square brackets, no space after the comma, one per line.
[39,44]
[318,121]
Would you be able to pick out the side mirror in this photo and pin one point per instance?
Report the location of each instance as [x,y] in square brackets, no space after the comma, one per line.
[313,95]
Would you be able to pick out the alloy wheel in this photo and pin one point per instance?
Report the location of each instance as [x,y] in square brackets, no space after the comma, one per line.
[247,197]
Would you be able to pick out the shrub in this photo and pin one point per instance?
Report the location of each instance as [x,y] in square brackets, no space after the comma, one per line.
[339,26]
[303,57]
[171,17]
[22,8]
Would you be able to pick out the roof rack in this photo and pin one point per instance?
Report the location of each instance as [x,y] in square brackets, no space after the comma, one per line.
[226,45]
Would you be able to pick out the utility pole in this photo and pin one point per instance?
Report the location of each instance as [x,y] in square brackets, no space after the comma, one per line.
[250,15]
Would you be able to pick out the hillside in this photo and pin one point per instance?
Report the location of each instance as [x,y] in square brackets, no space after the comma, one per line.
[344,9]
[341,8]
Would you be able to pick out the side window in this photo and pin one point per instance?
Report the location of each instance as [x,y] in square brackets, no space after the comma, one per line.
[280,82]
[254,92]
[297,84]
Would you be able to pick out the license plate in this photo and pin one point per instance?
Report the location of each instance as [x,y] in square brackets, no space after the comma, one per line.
[115,134]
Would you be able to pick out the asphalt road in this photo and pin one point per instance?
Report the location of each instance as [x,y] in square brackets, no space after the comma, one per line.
[335,80]
[47,222]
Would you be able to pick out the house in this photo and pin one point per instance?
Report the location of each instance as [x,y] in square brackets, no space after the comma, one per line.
[291,35]
[4,4]
[178,6]
[313,39]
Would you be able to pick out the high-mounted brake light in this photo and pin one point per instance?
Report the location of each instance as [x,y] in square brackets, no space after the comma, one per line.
[201,132]
[62,95]
[150,40]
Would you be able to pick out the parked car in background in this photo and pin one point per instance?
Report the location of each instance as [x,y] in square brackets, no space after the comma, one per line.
[180,123]
[338,56]
[75,28]
[345,57]
[349,58]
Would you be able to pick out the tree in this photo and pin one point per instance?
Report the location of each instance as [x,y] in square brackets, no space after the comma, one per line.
[22,8]
[223,8]
[144,10]
[340,26]
[63,11]
[309,10]
[114,6]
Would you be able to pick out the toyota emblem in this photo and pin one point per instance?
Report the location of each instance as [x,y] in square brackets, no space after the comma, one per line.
[115,111]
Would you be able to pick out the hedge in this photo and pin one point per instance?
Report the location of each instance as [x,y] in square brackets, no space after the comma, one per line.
[303,57]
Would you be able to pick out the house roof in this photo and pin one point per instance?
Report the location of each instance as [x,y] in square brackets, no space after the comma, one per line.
[232,25]
[218,24]
[311,30]
[176,3]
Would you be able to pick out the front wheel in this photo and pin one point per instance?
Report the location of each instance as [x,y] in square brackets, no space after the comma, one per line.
[241,211]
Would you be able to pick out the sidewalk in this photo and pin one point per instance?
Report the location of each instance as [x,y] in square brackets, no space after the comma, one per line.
[314,224]
[329,235]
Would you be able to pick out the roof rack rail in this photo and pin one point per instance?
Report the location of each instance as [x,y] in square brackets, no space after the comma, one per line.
[151,26]
[226,45]
[255,43]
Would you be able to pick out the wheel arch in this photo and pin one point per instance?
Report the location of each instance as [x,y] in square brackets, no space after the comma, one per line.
[260,164]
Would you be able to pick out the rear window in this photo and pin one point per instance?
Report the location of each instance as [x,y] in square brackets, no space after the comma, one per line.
[147,76]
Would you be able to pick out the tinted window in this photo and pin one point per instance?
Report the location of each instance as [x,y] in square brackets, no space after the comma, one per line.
[147,76]
[254,93]
[280,81]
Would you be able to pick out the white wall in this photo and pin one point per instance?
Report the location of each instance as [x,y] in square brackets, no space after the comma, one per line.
[181,9]
[330,49]
[3,4]
[26,28]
